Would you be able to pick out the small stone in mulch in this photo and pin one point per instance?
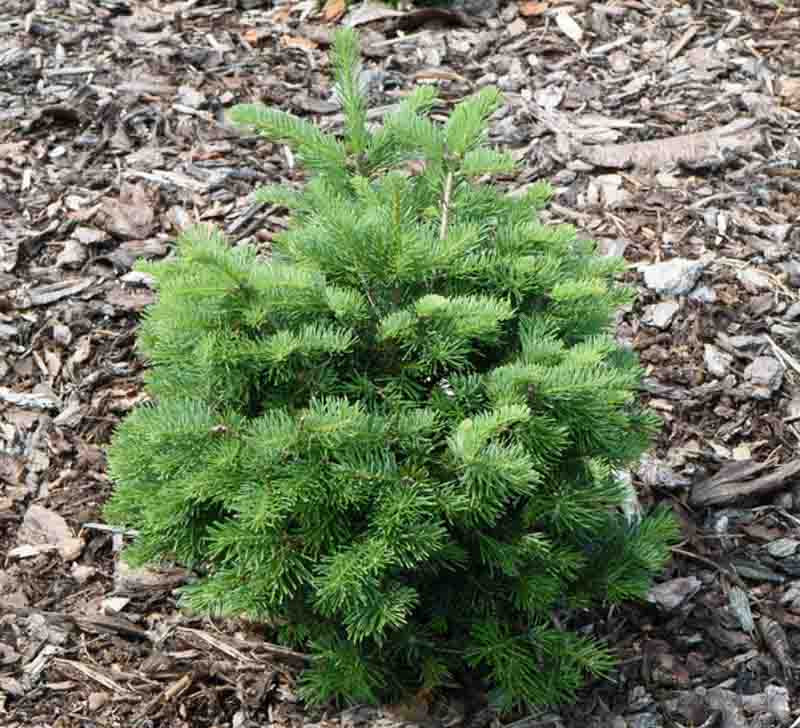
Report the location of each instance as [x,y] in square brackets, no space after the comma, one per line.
[660,315]
[754,280]
[114,605]
[139,278]
[674,277]
[82,573]
[703,294]
[717,361]
[765,374]
[191,97]
[89,235]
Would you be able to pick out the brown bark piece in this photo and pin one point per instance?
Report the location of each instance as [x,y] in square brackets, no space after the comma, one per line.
[735,481]
[131,215]
[741,136]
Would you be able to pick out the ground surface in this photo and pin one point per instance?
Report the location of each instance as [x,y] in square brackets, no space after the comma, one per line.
[113,136]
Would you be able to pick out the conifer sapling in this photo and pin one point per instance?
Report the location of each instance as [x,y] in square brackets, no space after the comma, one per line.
[396,439]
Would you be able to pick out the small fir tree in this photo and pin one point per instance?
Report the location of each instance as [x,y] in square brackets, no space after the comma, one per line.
[397,437]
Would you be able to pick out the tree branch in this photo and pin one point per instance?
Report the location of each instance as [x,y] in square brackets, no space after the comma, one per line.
[448,190]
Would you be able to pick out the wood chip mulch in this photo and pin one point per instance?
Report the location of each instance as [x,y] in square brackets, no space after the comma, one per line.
[671,132]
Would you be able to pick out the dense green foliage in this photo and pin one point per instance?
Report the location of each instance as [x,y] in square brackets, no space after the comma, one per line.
[396,438]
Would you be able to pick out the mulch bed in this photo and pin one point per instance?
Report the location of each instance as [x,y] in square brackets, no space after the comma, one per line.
[670,133]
